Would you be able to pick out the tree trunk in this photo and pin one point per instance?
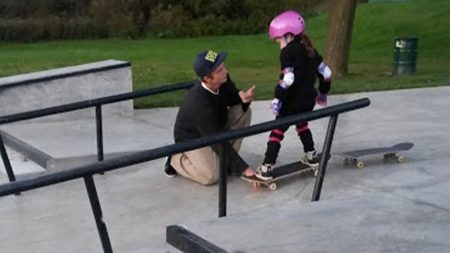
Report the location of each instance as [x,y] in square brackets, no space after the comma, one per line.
[340,23]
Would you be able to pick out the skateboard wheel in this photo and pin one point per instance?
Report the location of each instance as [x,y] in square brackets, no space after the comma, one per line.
[400,158]
[273,186]
[360,165]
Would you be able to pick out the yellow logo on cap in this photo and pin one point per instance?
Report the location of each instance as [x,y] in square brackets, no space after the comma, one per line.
[211,56]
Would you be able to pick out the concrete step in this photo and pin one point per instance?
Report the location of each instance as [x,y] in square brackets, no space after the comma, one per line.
[375,222]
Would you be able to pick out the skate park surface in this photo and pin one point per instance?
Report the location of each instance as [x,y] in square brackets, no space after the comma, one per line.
[384,207]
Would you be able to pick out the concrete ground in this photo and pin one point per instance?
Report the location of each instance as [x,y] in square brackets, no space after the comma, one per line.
[385,207]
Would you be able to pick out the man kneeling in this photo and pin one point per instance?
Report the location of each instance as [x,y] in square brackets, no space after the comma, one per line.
[211,106]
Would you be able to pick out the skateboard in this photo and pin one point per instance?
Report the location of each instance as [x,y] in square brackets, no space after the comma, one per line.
[389,153]
[283,172]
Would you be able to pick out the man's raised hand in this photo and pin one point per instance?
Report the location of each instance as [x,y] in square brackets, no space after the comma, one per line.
[247,96]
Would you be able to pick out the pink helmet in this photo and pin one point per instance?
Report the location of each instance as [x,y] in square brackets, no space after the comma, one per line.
[286,22]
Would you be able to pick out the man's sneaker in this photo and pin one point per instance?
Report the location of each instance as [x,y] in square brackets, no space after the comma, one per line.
[311,159]
[169,171]
[264,171]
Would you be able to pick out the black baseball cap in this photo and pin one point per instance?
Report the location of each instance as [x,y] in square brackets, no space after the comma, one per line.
[207,61]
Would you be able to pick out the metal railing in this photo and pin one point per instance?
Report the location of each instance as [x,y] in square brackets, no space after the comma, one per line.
[97,103]
[87,171]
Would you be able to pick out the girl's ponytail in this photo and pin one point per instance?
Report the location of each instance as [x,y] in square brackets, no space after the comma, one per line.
[311,52]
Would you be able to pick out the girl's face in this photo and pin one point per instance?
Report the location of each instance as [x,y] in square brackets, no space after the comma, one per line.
[283,41]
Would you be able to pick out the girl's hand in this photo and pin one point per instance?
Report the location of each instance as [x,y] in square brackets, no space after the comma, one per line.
[321,99]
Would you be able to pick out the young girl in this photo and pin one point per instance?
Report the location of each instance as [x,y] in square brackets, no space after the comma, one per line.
[295,92]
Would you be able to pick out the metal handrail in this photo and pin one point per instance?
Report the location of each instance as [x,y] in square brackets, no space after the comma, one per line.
[87,171]
[97,103]
[164,151]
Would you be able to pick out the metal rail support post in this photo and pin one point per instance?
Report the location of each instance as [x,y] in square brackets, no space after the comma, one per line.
[98,215]
[324,159]
[223,179]
[6,161]
[99,126]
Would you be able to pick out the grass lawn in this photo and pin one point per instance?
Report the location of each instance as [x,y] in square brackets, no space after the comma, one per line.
[253,59]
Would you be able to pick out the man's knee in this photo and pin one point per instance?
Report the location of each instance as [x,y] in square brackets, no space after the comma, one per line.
[208,178]
[196,167]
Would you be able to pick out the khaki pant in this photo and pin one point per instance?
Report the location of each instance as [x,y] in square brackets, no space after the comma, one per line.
[203,165]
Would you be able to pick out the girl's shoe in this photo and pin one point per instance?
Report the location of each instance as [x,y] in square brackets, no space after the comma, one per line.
[310,158]
[264,171]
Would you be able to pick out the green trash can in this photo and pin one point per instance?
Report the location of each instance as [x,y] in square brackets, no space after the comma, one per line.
[405,56]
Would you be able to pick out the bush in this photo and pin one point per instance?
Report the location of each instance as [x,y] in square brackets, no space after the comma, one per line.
[79,19]
[51,28]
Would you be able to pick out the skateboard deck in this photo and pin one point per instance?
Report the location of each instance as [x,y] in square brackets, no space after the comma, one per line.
[389,153]
[283,172]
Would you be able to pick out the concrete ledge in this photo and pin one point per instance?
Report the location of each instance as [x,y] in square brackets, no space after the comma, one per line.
[66,144]
[60,86]
[61,163]
[23,167]
[44,162]
[188,242]
[27,151]
[376,222]
[49,75]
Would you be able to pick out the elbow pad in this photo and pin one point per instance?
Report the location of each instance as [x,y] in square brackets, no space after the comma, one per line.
[288,78]
[325,71]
